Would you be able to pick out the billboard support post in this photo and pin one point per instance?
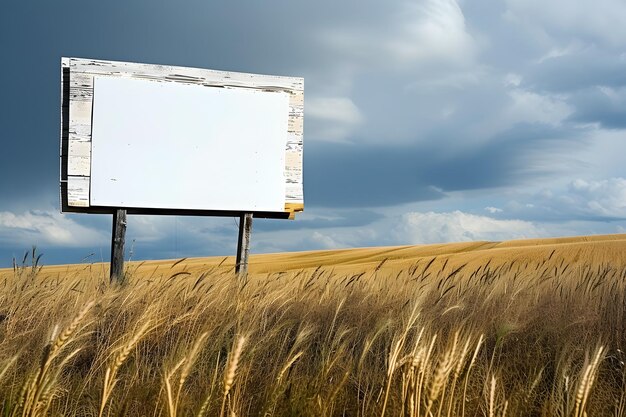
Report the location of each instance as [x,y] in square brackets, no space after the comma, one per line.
[243,246]
[118,238]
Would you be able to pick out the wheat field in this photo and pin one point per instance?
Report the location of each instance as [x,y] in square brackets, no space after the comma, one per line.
[520,328]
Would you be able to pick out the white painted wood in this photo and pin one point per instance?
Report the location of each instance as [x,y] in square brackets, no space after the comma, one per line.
[185,74]
[182,146]
[78,191]
[81,93]
[80,162]
[64,105]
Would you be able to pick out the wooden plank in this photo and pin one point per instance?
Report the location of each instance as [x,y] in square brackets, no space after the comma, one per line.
[294,142]
[296,124]
[81,86]
[293,208]
[80,120]
[186,74]
[79,158]
[78,191]
[79,139]
[294,193]
[296,100]
[118,238]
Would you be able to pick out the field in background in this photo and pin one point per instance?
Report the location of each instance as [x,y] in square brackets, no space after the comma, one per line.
[533,327]
[599,249]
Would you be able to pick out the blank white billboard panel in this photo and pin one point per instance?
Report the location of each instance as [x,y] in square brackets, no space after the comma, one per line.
[177,146]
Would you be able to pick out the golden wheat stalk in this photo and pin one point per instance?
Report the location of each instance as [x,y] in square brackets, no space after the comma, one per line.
[67,333]
[205,405]
[37,393]
[586,383]
[457,372]
[394,353]
[172,405]
[492,397]
[425,369]
[449,365]
[184,365]
[469,368]
[123,352]
[8,365]
[288,365]
[231,369]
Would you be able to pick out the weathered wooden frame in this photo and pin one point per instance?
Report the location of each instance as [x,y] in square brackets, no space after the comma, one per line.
[77,86]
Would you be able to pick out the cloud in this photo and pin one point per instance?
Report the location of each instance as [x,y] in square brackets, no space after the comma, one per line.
[604,198]
[457,226]
[578,69]
[601,201]
[493,210]
[425,32]
[595,20]
[332,118]
[603,105]
[46,228]
[531,107]
[350,175]
[324,241]
[433,30]
[315,218]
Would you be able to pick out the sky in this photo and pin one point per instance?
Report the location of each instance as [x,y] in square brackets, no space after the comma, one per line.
[425,121]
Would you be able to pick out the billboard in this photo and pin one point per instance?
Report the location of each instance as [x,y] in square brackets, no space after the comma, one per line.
[154,139]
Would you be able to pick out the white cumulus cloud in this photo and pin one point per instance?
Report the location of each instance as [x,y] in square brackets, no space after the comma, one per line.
[602,198]
[457,226]
[597,201]
[46,227]
[493,210]
[333,118]
[531,107]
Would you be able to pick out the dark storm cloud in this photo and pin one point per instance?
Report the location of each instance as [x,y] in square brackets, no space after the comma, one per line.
[357,176]
[600,105]
[593,80]
[328,219]
[342,175]
[577,70]
[351,218]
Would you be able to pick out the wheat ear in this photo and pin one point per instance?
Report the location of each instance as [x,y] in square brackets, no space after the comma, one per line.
[111,371]
[492,397]
[67,333]
[229,376]
[288,365]
[184,365]
[586,382]
[9,363]
[207,400]
[469,368]
[38,391]
[172,405]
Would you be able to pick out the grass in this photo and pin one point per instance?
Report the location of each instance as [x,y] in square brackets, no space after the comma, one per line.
[543,336]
